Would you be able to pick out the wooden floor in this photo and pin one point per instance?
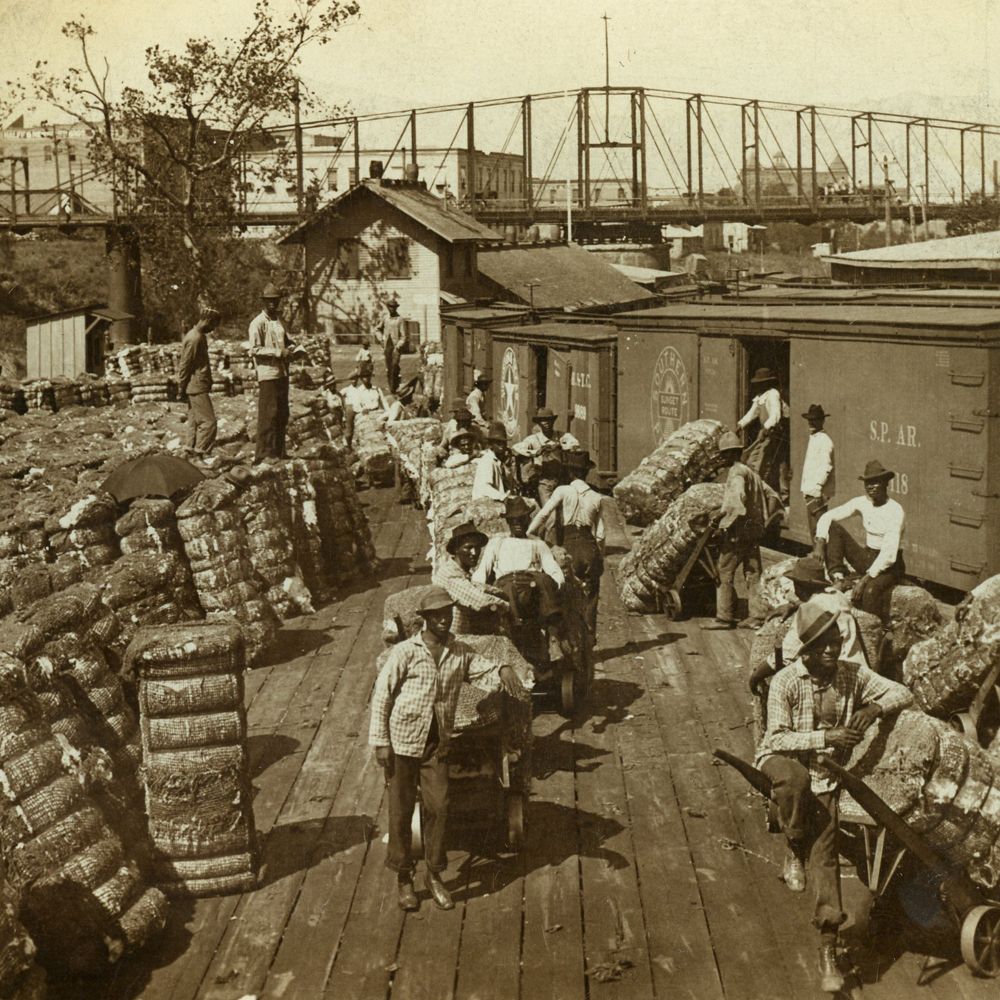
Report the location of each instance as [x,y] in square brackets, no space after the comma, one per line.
[647,871]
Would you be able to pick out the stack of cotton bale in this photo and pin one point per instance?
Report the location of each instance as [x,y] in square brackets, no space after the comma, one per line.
[217,549]
[12,397]
[407,439]
[196,767]
[119,389]
[689,455]
[149,525]
[648,572]
[21,977]
[774,589]
[85,534]
[127,362]
[371,446]
[38,395]
[450,494]
[942,784]
[79,893]
[23,547]
[65,393]
[156,387]
[308,543]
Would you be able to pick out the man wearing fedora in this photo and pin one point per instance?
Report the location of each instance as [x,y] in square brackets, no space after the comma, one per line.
[393,339]
[270,350]
[412,714]
[492,480]
[461,449]
[766,455]
[818,704]
[475,402]
[579,527]
[817,468]
[477,606]
[748,507]
[460,420]
[545,450]
[880,559]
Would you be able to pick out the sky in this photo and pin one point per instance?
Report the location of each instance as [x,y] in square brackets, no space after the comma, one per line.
[918,56]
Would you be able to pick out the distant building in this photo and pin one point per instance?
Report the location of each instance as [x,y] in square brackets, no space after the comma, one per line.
[383,239]
[779,178]
[736,237]
[683,239]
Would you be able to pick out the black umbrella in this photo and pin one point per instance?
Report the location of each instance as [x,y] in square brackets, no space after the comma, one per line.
[153,475]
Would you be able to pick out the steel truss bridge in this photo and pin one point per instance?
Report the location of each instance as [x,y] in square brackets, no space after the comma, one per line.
[630,156]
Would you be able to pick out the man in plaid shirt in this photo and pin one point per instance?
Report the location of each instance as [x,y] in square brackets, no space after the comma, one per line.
[817,704]
[413,709]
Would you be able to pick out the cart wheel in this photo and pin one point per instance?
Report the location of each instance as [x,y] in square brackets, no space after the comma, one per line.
[672,604]
[569,693]
[962,722]
[417,832]
[981,940]
[515,821]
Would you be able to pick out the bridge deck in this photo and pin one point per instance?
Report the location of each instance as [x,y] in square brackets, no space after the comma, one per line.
[647,872]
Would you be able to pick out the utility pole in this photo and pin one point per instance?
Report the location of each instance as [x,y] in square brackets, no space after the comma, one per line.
[923,210]
[912,223]
[299,166]
[607,80]
[888,202]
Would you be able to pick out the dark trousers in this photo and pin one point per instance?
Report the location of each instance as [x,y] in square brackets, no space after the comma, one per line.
[588,566]
[272,418]
[735,553]
[842,549]
[392,367]
[810,822]
[816,507]
[429,773]
[524,589]
[768,457]
[202,425]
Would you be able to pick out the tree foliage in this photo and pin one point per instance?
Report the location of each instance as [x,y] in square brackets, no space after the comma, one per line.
[978,215]
[180,151]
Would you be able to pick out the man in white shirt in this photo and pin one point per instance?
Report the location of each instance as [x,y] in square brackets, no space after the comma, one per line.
[546,451]
[364,398]
[817,469]
[492,481]
[767,454]
[579,529]
[475,402]
[522,566]
[880,559]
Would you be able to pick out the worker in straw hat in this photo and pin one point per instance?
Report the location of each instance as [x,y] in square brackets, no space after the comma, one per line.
[767,455]
[270,349]
[476,400]
[818,704]
[412,713]
[748,507]
[460,419]
[461,449]
[880,560]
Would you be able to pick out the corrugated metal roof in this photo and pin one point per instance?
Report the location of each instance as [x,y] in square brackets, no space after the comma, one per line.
[564,277]
[981,250]
[450,224]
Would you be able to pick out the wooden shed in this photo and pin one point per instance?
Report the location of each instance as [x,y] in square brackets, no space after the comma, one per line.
[70,342]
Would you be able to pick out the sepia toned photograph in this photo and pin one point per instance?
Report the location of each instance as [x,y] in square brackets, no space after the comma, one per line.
[499,501]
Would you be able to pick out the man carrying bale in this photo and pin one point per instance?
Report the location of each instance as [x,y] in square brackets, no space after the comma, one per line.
[880,559]
[477,606]
[748,507]
[546,451]
[194,381]
[818,704]
[413,711]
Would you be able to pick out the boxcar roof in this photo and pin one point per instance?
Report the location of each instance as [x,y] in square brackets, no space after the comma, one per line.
[584,332]
[843,319]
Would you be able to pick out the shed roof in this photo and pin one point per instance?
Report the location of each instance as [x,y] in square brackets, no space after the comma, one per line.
[414,201]
[90,309]
[977,250]
[564,277]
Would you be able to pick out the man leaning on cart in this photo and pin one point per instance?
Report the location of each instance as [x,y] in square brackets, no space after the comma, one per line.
[818,704]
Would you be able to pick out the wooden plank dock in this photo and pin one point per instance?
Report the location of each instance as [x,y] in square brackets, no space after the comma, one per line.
[647,873]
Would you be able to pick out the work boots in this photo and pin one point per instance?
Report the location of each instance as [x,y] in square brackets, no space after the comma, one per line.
[407,896]
[438,892]
[831,978]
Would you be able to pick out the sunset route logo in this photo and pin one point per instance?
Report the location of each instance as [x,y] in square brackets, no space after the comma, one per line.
[509,390]
[669,394]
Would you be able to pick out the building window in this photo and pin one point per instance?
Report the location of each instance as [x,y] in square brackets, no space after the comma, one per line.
[347,259]
[621,193]
[352,177]
[552,195]
[397,258]
[331,179]
[48,154]
[268,189]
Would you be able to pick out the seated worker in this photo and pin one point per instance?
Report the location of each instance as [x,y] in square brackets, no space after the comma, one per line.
[475,402]
[518,564]
[546,451]
[492,478]
[748,505]
[461,420]
[365,397]
[818,703]
[461,449]
[880,559]
[811,584]
[577,511]
[477,606]
[412,713]
[767,455]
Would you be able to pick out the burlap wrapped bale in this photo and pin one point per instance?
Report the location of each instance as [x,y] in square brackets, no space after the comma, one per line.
[21,978]
[371,446]
[76,887]
[945,671]
[150,524]
[307,536]
[85,532]
[407,439]
[660,553]
[196,768]
[944,786]
[450,496]
[914,615]
[689,455]
[774,590]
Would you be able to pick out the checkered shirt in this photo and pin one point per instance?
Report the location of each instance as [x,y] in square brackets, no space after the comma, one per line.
[470,598]
[791,713]
[411,689]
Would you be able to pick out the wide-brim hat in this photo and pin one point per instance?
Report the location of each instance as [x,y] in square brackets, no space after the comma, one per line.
[516,507]
[459,407]
[578,459]
[812,621]
[272,291]
[462,531]
[435,599]
[809,572]
[815,412]
[730,442]
[461,435]
[875,471]
[763,375]
[544,413]
[496,432]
